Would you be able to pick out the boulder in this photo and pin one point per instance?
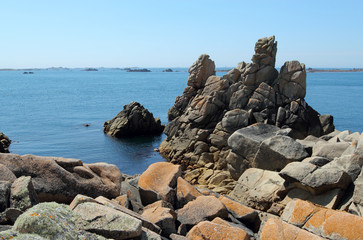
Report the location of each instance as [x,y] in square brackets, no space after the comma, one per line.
[48,220]
[163,217]
[4,143]
[329,150]
[235,119]
[327,223]
[185,192]
[246,141]
[133,120]
[214,231]
[358,195]
[259,188]
[277,229]
[106,221]
[239,211]
[6,174]
[161,178]
[276,152]
[61,179]
[200,209]
[297,171]
[327,123]
[351,164]
[22,194]
[4,195]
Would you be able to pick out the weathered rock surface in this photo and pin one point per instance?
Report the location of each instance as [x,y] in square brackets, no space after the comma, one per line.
[22,194]
[213,108]
[279,230]
[163,217]
[185,192]
[259,188]
[106,221]
[200,209]
[160,178]
[4,143]
[327,223]
[48,220]
[61,179]
[133,120]
[214,231]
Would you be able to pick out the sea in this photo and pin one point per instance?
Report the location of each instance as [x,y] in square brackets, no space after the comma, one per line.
[44,113]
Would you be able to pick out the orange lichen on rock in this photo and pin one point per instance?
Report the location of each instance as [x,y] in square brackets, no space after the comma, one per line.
[235,207]
[212,231]
[160,177]
[302,211]
[275,229]
[329,223]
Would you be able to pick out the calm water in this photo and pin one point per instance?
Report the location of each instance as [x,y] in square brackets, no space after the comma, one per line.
[44,113]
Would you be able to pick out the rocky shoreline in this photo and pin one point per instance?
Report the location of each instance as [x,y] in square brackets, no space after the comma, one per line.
[248,159]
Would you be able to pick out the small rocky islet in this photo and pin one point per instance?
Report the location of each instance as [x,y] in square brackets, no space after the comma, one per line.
[248,158]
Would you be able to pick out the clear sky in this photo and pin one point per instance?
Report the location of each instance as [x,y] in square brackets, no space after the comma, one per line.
[171,33]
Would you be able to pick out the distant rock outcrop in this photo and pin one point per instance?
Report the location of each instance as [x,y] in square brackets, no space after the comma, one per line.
[138,70]
[133,120]
[168,70]
[4,143]
[212,108]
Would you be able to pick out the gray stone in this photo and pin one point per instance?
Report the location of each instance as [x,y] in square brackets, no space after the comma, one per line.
[351,164]
[22,194]
[326,122]
[297,171]
[4,195]
[10,215]
[235,119]
[133,120]
[358,194]
[106,221]
[318,161]
[246,141]
[258,188]
[276,152]
[324,179]
[48,220]
[329,150]
[292,80]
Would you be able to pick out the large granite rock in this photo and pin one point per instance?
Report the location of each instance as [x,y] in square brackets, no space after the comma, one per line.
[4,143]
[259,188]
[200,209]
[22,194]
[160,178]
[61,179]
[48,220]
[327,223]
[133,120]
[106,221]
[212,108]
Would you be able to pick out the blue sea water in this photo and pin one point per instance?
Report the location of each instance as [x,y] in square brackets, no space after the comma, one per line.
[43,113]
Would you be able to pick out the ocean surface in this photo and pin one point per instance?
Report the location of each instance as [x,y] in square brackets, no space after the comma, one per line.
[43,113]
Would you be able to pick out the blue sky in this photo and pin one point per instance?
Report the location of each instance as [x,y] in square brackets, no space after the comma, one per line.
[115,33]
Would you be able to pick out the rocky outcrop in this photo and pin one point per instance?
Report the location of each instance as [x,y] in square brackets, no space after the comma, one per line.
[133,120]
[4,143]
[61,179]
[260,197]
[206,118]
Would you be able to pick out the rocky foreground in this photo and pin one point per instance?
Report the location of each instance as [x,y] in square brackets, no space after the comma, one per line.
[58,198]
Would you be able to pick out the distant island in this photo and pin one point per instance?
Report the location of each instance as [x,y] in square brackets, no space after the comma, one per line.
[312,70]
[168,70]
[90,70]
[138,70]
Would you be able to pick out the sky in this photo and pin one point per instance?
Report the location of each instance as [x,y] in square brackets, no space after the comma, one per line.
[123,33]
